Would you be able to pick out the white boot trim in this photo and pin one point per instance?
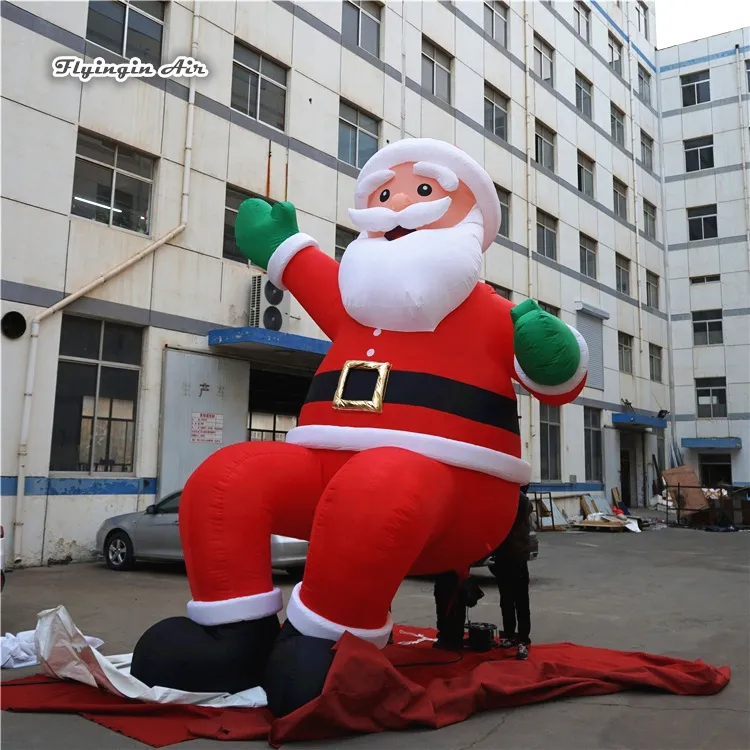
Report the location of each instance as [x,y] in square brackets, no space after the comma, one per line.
[253,607]
[312,624]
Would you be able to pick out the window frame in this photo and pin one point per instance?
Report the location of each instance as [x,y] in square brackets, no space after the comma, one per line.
[705,322]
[550,422]
[503,196]
[709,278]
[585,174]
[652,290]
[497,10]
[625,352]
[649,219]
[432,54]
[588,250]
[551,309]
[239,258]
[339,249]
[700,222]
[584,96]
[647,151]
[644,84]
[622,274]
[692,86]
[502,291]
[547,224]
[619,198]
[617,124]
[582,16]
[358,131]
[641,11]
[261,77]
[544,136]
[491,103]
[115,171]
[545,52]
[704,151]
[714,390]
[615,54]
[361,9]
[593,443]
[655,362]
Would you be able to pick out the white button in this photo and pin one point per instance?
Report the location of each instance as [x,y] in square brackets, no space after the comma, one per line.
[377,332]
[370,352]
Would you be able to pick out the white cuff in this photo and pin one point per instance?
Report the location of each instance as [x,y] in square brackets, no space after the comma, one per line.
[568,385]
[253,607]
[284,253]
[312,624]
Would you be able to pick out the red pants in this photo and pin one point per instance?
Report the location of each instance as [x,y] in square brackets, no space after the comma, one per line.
[372,518]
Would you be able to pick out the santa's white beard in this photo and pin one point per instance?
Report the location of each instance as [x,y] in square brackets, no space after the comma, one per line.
[414,282]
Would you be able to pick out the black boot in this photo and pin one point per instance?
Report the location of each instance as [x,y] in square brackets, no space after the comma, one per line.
[178,653]
[296,670]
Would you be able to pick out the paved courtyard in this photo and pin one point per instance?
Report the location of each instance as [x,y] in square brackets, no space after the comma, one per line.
[674,592]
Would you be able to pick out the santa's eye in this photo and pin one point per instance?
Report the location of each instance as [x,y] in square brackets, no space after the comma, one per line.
[424,190]
[385,195]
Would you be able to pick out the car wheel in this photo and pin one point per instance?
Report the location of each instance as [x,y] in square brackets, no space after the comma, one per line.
[118,551]
[296,573]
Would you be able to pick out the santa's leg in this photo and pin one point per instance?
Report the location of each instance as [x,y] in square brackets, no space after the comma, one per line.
[228,509]
[374,519]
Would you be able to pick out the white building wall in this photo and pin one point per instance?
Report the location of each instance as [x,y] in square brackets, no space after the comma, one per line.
[187,288]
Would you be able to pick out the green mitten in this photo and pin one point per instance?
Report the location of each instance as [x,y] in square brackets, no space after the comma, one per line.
[545,347]
[261,228]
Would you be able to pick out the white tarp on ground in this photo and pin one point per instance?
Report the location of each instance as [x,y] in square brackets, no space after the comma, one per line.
[64,653]
[629,523]
[19,651]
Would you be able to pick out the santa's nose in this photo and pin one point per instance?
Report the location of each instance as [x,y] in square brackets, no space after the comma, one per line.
[400,201]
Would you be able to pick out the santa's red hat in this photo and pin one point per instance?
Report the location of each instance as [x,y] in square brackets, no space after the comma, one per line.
[445,155]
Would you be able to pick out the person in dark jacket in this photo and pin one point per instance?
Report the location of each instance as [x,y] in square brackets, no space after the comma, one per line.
[511,571]
[454,594]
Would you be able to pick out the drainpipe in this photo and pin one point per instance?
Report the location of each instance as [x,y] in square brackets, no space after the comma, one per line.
[743,133]
[531,265]
[403,70]
[28,395]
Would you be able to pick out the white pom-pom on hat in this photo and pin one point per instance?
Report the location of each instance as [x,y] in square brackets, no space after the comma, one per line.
[445,154]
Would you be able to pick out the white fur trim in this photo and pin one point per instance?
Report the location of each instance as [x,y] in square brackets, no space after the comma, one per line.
[445,450]
[253,607]
[367,186]
[439,152]
[312,624]
[568,385]
[446,177]
[284,253]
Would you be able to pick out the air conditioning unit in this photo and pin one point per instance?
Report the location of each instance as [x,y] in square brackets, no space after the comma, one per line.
[269,306]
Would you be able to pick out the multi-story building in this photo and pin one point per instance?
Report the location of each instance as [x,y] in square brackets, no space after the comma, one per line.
[705,116]
[111,397]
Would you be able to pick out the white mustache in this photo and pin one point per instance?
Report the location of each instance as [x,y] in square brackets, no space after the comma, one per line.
[381,219]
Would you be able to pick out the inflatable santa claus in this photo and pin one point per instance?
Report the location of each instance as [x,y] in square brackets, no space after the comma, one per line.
[407,457]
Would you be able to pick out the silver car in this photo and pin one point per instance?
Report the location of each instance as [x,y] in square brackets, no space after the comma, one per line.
[154,534]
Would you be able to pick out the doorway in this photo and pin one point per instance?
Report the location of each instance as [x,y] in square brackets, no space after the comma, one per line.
[715,469]
[625,471]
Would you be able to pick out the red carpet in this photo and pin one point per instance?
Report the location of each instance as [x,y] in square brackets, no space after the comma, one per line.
[372,691]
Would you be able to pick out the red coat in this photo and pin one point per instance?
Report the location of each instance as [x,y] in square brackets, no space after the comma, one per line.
[449,393]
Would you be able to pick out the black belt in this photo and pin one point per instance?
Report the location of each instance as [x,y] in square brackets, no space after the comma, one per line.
[356,387]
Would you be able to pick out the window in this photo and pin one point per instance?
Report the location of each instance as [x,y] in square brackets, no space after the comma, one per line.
[654,362]
[747,73]
[358,135]
[546,235]
[696,88]
[93,426]
[264,426]
[436,71]
[715,469]
[495,112]
[641,12]
[647,151]
[699,153]
[702,224]
[620,198]
[582,20]
[649,219]
[543,60]
[551,309]
[625,351]
[585,174]
[258,87]
[652,290]
[502,291]
[544,146]
[711,397]
[617,124]
[705,279]
[592,330]
[504,198]
[583,96]
[170,504]
[344,237]
[549,441]
[615,55]
[360,25]
[112,184]
[592,437]
[622,274]
[587,247]
[496,21]
[234,198]
[644,84]
[130,29]
[707,327]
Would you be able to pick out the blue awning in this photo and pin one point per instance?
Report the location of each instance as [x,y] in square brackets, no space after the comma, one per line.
[715,443]
[638,421]
[270,347]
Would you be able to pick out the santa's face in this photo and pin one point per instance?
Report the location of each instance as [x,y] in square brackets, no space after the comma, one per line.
[420,252]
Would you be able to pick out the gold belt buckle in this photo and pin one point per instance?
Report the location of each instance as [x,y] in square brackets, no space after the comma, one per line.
[375,404]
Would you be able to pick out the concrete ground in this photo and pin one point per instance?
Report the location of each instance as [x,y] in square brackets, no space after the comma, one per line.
[674,592]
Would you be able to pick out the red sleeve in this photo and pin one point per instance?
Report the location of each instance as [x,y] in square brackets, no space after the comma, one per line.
[313,278]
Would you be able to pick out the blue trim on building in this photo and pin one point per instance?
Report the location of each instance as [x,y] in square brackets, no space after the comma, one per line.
[705,58]
[566,487]
[254,335]
[721,443]
[43,486]
[612,23]
[638,420]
